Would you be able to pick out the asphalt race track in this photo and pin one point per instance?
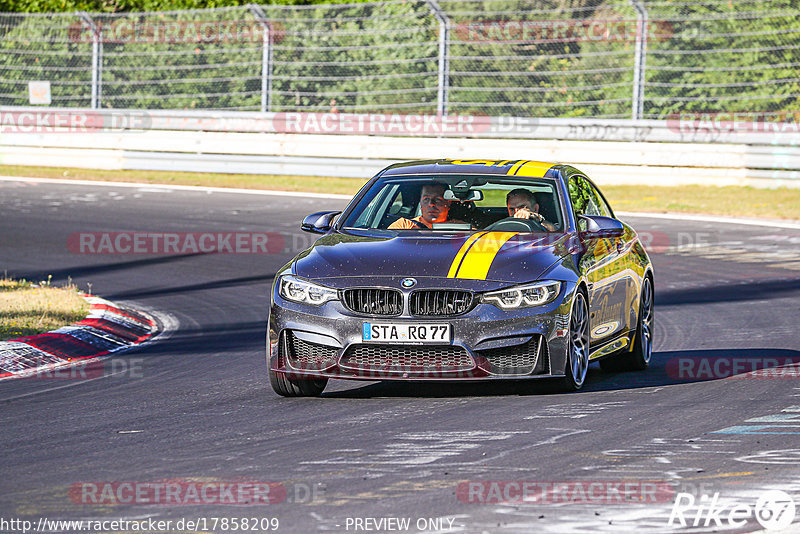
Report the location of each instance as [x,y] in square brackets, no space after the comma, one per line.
[197,406]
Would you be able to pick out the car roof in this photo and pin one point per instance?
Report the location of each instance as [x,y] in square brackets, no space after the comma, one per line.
[508,167]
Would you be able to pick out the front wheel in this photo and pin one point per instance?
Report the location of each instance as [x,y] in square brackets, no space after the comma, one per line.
[639,357]
[577,363]
[299,387]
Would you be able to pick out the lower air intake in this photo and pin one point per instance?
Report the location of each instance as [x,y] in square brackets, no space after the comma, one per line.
[518,360]
[406,359]
[304,355]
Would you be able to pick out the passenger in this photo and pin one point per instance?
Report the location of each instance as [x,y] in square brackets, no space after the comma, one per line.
[522,204]
[433,207]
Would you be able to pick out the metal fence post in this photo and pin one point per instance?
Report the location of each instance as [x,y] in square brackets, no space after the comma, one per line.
[97,59]
[640,59]
[444,55]
[266,57]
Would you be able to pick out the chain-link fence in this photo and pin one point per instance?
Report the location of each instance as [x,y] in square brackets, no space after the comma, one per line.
[538,58]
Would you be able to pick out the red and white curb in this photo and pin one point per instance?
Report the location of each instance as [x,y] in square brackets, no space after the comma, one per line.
[108,328]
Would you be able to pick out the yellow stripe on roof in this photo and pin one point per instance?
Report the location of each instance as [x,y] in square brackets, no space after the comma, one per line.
[533,169]
[480,256]
[484,162]
[516,166]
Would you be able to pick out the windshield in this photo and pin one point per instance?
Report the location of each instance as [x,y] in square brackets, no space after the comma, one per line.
[459,203]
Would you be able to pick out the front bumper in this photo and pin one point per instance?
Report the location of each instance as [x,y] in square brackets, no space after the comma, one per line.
[487,343]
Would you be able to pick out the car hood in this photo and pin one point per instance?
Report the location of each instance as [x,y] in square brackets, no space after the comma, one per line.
[506,257]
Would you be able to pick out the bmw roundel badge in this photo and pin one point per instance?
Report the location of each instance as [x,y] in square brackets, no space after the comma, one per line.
[408,282]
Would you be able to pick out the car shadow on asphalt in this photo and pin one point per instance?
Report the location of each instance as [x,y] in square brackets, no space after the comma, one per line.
[76,272]
[259,280]
[214,339]
[666,368]
[729,292]
[669,368]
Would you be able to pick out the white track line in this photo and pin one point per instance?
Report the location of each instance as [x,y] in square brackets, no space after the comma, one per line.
[712,218]
[160,187]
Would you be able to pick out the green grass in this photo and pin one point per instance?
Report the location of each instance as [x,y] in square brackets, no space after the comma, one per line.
[733,201]
[27,309]
[345,186]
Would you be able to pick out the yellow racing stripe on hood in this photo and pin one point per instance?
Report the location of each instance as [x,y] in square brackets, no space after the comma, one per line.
[460,256]
[479,257]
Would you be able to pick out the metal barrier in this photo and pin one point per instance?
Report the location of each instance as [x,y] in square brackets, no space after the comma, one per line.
[687,127]
[644,152]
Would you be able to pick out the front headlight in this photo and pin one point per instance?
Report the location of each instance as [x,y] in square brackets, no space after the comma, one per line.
[525,296]
[297,290]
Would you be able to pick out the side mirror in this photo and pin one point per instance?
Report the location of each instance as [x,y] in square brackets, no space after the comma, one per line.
[319,223]
[599,227]
[473,195]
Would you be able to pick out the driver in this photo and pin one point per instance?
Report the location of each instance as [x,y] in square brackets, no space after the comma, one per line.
[522,204]
[433,207]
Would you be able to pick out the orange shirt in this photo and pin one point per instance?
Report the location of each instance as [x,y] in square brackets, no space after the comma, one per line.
[405,224]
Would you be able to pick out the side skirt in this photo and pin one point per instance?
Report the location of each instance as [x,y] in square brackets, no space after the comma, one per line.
[611,347]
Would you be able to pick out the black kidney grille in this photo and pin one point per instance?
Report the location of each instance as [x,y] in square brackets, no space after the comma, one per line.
[374,301]
[431,302]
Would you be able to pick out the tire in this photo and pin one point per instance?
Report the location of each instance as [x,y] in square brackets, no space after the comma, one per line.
[639,357]
[642,350]
[303,387]
[577,363]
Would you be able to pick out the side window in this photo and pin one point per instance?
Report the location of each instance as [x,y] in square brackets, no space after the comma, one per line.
[592,206]
[397,205]
[580,196]
[585,198]
[377,207]
[405,201]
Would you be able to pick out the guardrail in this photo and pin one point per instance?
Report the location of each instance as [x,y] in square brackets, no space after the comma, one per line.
[707,150]
[690,127]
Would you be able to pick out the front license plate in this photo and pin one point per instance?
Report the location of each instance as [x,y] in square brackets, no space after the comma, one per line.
[407,333]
